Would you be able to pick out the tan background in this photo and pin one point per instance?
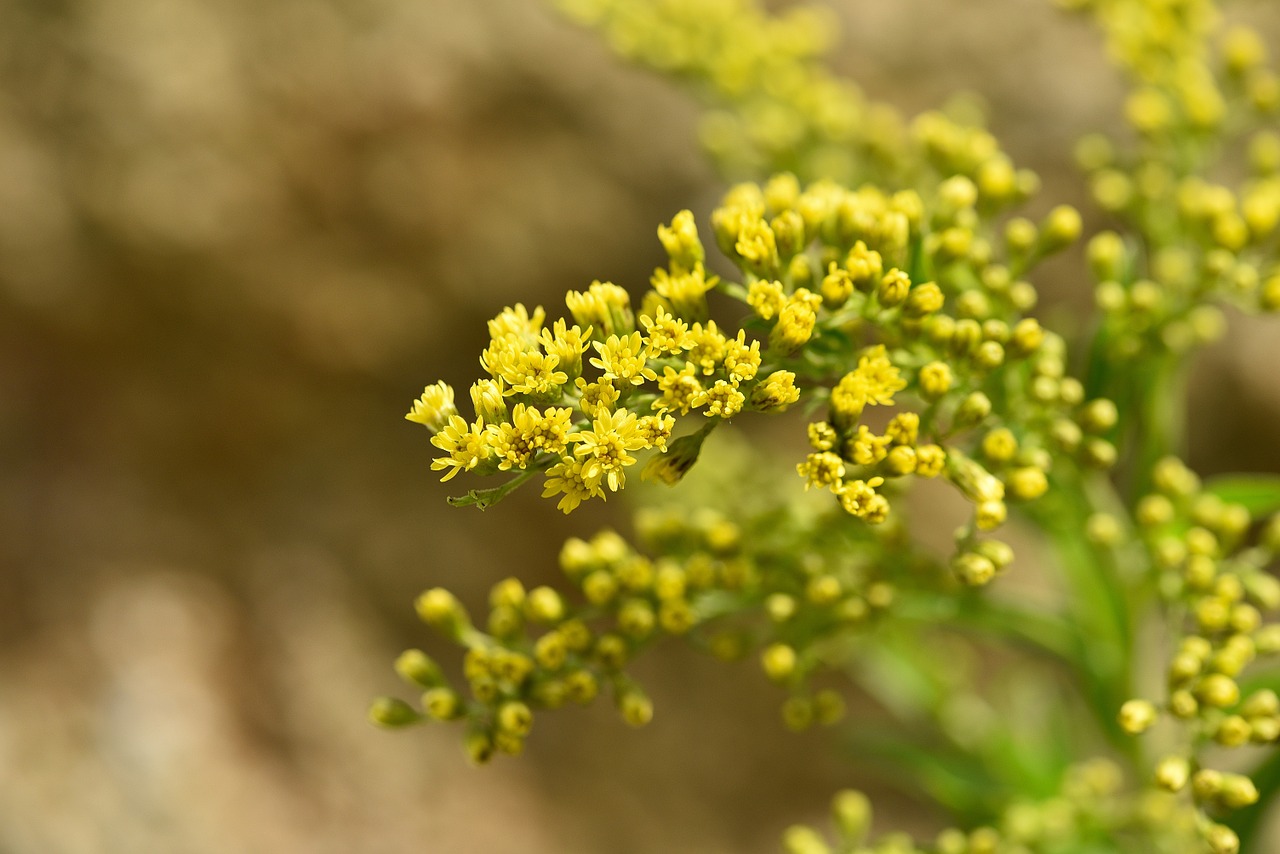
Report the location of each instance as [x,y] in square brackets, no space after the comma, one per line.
[236,239]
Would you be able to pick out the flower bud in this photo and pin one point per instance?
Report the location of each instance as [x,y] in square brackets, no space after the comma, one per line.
[779,662]
[391,713]
[1137,716]
[852,812]
[415,666]
[439,609]
[1172,773]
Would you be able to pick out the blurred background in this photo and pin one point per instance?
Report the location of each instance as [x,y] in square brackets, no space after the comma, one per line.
[236,240]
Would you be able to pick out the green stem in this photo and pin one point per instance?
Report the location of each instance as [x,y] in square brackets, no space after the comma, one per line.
[1099,605]
[1159,397]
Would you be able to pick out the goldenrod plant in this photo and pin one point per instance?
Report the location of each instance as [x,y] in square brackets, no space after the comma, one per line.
[876,295]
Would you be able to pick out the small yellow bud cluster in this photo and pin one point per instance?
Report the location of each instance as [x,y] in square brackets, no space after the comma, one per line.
[1202,242]
[773,104]
[539,649]
[1090,808]
[843,276]
[1199,545]
[799,600]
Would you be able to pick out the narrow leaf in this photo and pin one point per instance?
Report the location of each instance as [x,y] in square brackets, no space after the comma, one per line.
[1259,493]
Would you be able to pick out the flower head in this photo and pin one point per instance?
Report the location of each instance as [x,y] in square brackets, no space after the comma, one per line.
[434,408]
[465,446]
[604,448]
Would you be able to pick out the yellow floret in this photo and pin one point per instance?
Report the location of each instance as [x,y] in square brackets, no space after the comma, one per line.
[434,408]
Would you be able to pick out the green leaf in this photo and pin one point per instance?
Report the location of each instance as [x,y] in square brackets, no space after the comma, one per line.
[1259,493]
[957,780]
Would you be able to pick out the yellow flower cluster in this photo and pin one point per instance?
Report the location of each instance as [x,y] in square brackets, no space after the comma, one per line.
[579,401]
[773,105]
[1200,89]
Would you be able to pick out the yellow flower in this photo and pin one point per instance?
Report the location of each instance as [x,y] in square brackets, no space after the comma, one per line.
[823,470]
[551,433]
[874,381]
[776,393]
[604,448]
[709,347]
[601,394]
[822,436]
[837,286]
[796,321]
[866,448]
[655,430]
[685,290]
[434,408]
[904,429]
[604,307]
[567,478]
[865,267]
[680,239]
[623,359]
[466,446]
[525,371]
[935,380]
[678,389]
[535,374]
[722,399]
[859,498]
[486,397]
[740,360]
[894,287]
[516,323]
[757,245]
[512,441]
[567,344]
[665,333]
[930,460]
[766,298]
